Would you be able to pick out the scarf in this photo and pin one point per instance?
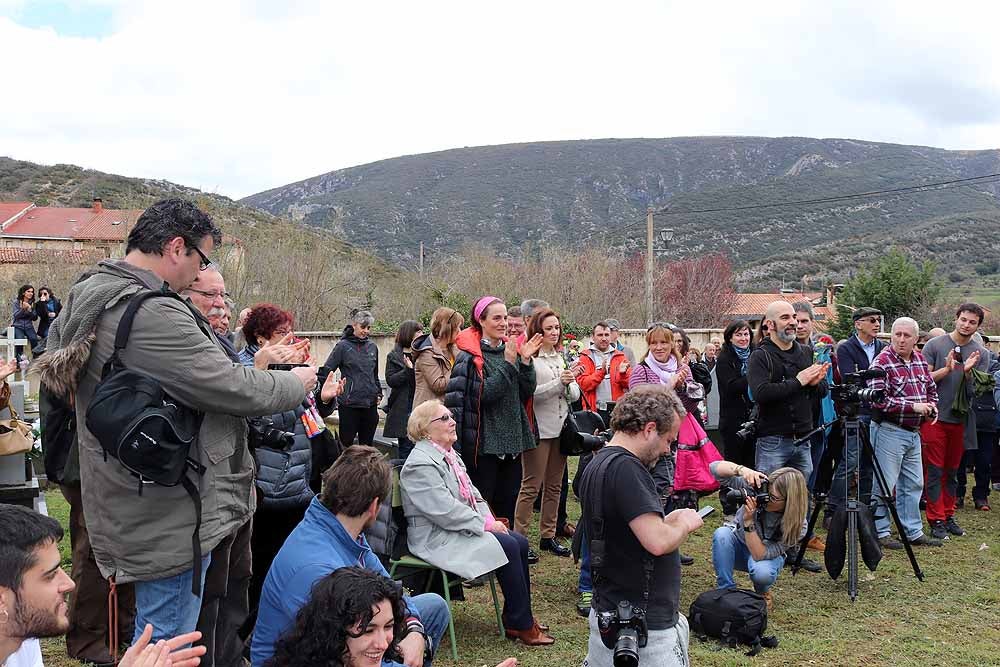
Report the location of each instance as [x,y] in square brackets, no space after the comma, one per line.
[665,371]
[464,483]
[743,354]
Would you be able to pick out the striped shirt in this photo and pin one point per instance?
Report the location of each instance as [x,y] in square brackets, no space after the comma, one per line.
[905,384]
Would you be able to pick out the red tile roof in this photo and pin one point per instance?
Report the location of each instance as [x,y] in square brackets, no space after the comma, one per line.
[11,209]
[73,223]
[753,306]
[42,256]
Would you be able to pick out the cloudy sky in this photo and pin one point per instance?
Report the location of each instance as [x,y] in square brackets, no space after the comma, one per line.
[237,96]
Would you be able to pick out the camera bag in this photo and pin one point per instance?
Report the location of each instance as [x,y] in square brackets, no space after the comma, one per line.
[143,428]
[733,616]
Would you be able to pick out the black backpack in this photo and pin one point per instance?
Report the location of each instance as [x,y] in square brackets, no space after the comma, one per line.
[143,428]
[733,616]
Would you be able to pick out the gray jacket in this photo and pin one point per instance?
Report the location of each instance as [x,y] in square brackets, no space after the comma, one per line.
[143,537]
[442,528]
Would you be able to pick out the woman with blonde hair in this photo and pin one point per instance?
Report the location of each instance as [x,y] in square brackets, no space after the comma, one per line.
[434,355]
[757,542]
[662,364]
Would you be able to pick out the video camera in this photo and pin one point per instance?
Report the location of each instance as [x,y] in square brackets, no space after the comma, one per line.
[624,631]
[853,390]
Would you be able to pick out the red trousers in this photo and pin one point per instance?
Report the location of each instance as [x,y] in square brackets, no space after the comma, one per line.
[942,446]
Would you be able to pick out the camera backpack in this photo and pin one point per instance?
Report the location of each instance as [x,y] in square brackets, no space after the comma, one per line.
[733,616]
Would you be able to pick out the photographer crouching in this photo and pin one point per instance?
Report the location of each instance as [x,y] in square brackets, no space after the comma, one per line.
[635,617]
[768,523]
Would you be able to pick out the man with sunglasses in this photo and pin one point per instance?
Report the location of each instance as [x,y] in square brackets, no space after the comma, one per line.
[854,355]
[146,537]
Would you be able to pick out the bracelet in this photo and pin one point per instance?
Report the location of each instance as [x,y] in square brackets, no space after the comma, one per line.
[739,471]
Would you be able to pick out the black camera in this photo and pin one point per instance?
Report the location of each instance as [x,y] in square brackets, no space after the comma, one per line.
[737,497]
[748,429]
[262,433]
[853,390]
[624,631]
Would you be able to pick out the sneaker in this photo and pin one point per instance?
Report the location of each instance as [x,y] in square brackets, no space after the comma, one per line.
[687,560]
[924,541]
[938,530]
[532,556]
[583,604]
[952,527]
[816,544]
[768,600]
[888,542]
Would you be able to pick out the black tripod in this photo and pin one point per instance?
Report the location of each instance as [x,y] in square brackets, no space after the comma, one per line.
[855,437]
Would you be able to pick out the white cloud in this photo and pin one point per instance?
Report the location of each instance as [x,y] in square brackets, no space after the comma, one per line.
[238,96]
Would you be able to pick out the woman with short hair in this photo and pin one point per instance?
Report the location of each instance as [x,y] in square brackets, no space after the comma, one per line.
[452,527]
[356,357]
[400,377]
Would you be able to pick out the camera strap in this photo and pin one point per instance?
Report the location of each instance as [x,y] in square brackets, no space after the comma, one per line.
[594,508]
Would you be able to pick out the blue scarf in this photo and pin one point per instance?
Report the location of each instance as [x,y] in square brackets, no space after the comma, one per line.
[744,355]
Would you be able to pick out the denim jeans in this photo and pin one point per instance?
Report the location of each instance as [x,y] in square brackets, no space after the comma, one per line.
[168,604]
[586,584]
[898,453]
[434,613]
[730,554]
[849,459]
[777,451]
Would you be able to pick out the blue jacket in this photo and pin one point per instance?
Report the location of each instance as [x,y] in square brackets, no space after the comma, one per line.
[319,545]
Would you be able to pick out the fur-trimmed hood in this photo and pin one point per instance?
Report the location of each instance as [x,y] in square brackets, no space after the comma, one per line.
[71,336]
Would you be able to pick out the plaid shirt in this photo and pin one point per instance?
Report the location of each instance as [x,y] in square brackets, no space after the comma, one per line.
[904,384]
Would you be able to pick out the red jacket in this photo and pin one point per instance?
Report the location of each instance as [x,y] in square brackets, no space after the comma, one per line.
[593,376]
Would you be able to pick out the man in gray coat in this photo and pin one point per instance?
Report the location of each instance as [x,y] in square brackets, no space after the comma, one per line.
[147,538]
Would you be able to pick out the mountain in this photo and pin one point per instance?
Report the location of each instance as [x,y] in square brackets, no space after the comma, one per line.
[517,196]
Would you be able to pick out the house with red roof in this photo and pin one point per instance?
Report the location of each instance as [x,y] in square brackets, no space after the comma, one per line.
[752,306]
[95,230]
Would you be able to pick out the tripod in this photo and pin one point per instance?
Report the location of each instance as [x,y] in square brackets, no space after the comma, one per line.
[855,437]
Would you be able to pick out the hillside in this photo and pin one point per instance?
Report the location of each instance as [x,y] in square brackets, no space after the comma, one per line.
[561,193]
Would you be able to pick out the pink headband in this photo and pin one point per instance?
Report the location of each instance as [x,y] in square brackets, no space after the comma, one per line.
[483,304]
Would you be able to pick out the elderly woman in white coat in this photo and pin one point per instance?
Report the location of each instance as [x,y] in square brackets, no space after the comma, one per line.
[555,390]
[451,526]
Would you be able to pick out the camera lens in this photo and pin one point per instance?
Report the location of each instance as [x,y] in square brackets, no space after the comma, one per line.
[627,649]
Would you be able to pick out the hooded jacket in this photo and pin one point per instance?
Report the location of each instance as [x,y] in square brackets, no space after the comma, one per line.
[357,360]
[431,368]
[145,537]
[593,375]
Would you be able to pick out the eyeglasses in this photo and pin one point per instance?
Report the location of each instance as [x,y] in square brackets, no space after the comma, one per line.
[282,331]
[210,295]
[872,320]
[444,419]
[205,261]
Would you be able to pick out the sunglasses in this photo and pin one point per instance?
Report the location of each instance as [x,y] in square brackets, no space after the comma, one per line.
[444,419]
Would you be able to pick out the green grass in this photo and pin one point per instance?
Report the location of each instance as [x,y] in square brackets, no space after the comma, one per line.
[951,619]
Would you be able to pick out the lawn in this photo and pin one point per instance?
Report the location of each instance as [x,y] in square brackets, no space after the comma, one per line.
[951,619]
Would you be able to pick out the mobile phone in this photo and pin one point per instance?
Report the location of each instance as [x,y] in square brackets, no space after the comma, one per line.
[284,367]
[705,511]
[958,353]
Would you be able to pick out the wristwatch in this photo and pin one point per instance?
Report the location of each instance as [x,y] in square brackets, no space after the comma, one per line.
[752,528]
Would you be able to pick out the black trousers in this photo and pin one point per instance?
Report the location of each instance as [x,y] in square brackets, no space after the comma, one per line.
[515,582]
[271,528]
[983,460]
[358,422]
[499,480]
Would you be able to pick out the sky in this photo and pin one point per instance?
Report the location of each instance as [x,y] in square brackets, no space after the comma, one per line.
[238,96]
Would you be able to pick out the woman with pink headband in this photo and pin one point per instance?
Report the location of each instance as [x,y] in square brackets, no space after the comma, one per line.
[492,381]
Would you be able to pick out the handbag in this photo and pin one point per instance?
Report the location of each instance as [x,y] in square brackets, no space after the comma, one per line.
[695,452]
[15,435]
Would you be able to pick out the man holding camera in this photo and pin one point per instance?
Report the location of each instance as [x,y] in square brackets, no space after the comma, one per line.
[634,548]
[910,399]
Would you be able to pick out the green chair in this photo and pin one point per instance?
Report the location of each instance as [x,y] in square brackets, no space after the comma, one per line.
[407,565]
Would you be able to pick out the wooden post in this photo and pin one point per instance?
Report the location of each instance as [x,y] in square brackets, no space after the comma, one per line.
[421,260]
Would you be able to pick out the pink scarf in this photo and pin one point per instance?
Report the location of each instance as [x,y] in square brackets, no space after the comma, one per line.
[464,483]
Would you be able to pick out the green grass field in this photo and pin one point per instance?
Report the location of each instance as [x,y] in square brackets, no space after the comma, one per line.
[952,619]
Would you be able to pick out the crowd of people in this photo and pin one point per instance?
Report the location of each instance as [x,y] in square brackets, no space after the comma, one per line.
[280,569]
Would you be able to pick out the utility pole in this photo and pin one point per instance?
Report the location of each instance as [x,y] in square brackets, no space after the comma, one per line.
[649,266]
[421,260]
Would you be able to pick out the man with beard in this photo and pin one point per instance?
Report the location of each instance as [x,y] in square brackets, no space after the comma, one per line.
[33,587]
[784,383]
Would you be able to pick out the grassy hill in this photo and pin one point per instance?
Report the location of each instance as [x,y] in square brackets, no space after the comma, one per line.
[520,195]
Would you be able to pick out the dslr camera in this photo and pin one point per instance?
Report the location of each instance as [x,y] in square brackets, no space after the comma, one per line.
[738,497]
[623,630]
[262,433]
[748,429]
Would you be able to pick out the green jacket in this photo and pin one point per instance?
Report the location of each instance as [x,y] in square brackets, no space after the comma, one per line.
[143,537]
